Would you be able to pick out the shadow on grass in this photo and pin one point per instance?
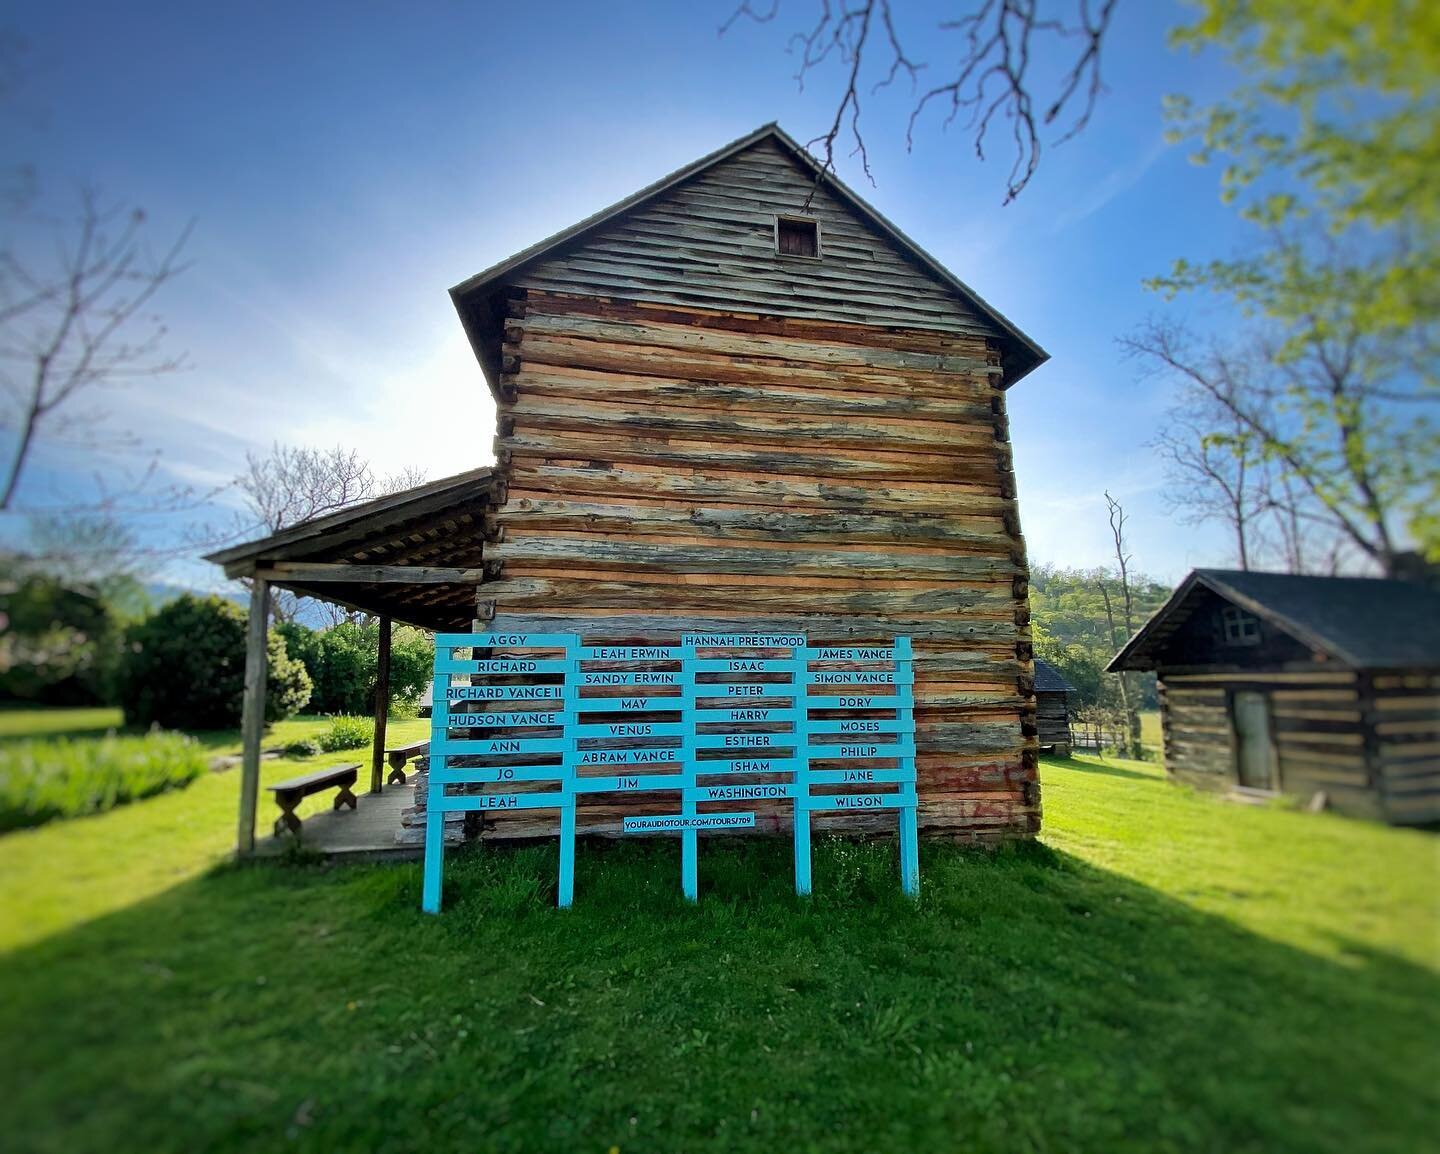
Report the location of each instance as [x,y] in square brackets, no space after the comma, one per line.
[1096,766]
[82,729]
[1029,1002]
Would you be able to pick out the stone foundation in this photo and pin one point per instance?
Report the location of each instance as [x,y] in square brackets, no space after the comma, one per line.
[412,818]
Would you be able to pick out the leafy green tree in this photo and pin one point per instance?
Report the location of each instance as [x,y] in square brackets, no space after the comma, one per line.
[1072,630]
[59,643]
[341,662]
[1329,144]
[303,644]
[184,668]
[1333,437]
[1336,116]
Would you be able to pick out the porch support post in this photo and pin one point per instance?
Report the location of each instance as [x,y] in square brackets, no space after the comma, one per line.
[252,717]
[382,706]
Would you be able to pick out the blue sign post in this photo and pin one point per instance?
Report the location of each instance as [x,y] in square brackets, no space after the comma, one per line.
[589,720]
[859,735]
[511,713]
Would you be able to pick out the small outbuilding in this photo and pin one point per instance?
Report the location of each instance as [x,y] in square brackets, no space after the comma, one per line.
[1277,683]
[1052,709]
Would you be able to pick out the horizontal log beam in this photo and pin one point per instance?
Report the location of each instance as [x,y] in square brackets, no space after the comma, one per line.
[310,572]
[972,404]
[564,476]
[707,367]
[687,338]
[557,514]
[652,627]
[981,466]
[896,337]
[600,554]
[559,593]
[626,418]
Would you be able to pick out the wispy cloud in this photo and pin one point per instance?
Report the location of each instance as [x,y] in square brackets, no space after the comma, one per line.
[1117,182]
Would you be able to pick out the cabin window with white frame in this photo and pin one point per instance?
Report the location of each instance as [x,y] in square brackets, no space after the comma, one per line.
[797,236]
[1239,627]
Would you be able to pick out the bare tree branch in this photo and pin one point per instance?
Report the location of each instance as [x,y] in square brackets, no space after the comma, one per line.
[290,485]
[79,323]
[1129,694]
[993,79]
[1337,459]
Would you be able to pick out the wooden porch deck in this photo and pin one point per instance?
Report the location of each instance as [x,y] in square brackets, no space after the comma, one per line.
[368,831]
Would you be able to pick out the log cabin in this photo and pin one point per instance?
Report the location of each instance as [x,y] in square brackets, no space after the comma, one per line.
[1326,688]
[738,399]
[1052,709]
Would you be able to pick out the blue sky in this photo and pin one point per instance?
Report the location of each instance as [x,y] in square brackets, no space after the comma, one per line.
[345,164]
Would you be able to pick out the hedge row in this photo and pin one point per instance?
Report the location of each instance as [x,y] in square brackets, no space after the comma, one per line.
[52,778]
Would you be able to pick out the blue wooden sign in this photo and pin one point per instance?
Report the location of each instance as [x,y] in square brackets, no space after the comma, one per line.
[537,721]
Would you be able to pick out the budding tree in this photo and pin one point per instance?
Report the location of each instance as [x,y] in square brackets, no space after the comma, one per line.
[75,321]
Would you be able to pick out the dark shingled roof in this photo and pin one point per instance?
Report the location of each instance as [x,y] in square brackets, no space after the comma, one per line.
[1365,622]
[1048,679]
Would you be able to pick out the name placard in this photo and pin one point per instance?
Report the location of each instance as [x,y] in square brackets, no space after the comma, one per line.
[683,822]
[824,729]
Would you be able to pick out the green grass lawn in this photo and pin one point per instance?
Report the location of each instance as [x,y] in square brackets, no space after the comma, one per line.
[30,723]
[70,872]
[1163,972]
[22,723]
[1151,735]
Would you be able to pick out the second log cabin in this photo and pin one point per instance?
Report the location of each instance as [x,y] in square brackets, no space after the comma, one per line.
[1325,688]
[742,399]
[1052,709]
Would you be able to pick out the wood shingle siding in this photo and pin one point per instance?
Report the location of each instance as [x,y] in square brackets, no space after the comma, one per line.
[701,433]
[1318,735]
[711,243]
[1053,719]
[1052,708]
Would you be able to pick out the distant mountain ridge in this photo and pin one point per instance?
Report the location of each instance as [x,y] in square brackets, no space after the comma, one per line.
[162,592]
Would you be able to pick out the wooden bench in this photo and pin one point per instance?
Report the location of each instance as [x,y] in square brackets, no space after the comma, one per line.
[400,755]
[289,794]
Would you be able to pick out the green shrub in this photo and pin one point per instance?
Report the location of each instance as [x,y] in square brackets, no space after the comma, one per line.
[45,779]
[341,664]
[59,645]
[405,708]
[303,644]
[184,668]
[347,733]
[308,747]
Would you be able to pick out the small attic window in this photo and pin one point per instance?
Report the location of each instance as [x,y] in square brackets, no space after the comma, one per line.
[1239,627]
[797,236]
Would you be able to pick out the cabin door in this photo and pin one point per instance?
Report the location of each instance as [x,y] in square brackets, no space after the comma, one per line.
[1254,745]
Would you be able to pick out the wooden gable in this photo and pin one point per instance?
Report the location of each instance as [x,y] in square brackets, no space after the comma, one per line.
[710,242]
[1215,631]
[713,236]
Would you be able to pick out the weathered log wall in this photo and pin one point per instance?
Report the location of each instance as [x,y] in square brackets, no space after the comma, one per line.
[675,469]
[1315,719]
[1052,718]
[1402,715]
